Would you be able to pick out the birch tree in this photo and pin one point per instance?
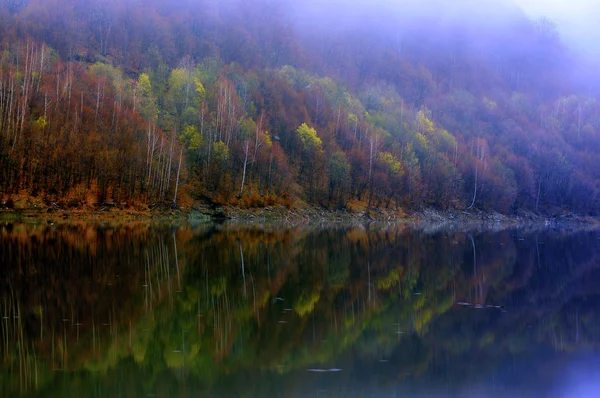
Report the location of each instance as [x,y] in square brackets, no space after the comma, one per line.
[247,128]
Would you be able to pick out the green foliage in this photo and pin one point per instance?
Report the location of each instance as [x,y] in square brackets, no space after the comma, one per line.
[200,90]
[309,138]
[112,74]
[144,85]
[192,138]
[424,125]
[247,128]
[189,116]
[392,164]
[180,92]
[209,69]
[390,281]
[147,103]
[446,141]
[221,153]
[295,77]
[410,157]
[339,168]
[338,270]
[160,79]
[421,144]
[306,303]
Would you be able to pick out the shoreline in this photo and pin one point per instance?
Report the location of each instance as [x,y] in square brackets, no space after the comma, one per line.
[301,215]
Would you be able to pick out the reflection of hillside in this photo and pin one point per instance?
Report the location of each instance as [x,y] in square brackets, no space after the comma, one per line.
[549,307]
[245,303]
[70,289]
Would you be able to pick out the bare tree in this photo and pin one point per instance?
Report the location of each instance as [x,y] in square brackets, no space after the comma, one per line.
[479,158]
[177,183]
[103,23]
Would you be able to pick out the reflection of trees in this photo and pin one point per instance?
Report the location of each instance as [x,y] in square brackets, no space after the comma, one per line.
[316,298]
[541,290]
[69,290]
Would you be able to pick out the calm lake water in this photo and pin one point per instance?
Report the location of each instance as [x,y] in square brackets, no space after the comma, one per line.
[159,310]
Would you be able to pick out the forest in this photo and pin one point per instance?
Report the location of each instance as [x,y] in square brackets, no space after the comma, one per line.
[260,103]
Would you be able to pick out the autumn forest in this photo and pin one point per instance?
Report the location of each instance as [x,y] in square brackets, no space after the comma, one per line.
[257,103]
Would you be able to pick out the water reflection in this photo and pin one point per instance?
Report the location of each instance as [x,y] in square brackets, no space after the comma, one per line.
[156,309]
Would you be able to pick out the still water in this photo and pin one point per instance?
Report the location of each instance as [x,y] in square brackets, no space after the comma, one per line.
[162,310]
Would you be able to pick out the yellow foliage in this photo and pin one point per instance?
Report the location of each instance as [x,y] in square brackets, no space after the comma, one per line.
[266,137]
[424,124]
[393,164]
[309,137]
[444,305]
[144,84]
[389,281]
[219,287]
[422,140]
[173,359]
[423,319]
[418,302]
[221,152]
[448,140]
[139,352]
[192,138]
[40,123]
[306,303]
[199,87]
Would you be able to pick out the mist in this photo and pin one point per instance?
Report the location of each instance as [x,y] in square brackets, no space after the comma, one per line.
[577,21]
[456,116]
[381,16]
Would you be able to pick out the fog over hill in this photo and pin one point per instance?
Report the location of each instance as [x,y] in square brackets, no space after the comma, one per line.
[577,21]
[449,104]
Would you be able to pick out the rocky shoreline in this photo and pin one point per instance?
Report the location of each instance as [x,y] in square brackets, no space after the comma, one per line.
[302,215]
[426,216]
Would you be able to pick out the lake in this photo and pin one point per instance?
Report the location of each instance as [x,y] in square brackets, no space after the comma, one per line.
[151,309]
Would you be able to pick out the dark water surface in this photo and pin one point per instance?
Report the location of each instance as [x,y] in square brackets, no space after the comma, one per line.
[159,310]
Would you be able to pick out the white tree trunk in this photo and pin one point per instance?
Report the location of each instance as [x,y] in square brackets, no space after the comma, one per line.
[244,172]
[474,189]
[177,183]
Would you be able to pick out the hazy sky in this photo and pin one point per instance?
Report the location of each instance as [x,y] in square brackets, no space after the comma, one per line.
[578,20]
[572,7]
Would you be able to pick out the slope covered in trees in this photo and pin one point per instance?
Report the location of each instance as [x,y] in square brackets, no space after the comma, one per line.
[265,102]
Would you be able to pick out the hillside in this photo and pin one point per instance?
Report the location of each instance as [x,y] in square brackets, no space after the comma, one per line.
[462,106]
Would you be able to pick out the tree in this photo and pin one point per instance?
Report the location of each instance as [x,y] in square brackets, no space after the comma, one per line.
[177,98]
[480,166]
[309,138]
[312,148]
[339,174]
[191,137]
[247,128]
[221,154]
[147,103]
[102,21]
